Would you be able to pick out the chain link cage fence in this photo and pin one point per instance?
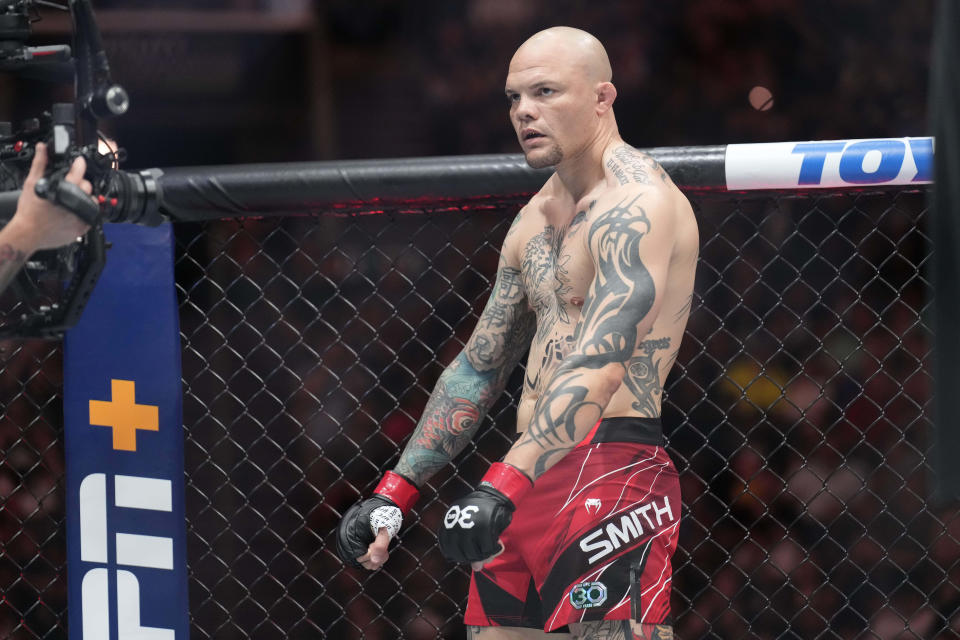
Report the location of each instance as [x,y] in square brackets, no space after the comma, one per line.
[797,414]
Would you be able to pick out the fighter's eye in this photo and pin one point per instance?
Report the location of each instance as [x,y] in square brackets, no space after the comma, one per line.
[545,91]
[513,97]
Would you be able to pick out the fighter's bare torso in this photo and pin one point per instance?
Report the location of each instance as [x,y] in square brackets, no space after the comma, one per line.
[548,243]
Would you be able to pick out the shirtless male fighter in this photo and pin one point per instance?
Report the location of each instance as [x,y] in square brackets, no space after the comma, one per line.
[574,530]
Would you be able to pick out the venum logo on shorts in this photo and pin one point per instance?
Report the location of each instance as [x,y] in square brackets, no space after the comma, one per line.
[592,505]
[626,528]
[588,594]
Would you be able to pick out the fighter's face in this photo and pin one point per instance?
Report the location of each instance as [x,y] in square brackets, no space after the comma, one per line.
[550,110]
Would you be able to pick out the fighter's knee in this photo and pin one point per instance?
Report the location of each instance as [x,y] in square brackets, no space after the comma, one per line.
[656,631]
[620,630]
[504,633]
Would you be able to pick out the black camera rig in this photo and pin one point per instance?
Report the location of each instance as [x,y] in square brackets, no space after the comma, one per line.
[69,130]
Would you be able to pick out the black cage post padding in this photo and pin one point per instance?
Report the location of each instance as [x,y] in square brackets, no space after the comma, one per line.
[945,117]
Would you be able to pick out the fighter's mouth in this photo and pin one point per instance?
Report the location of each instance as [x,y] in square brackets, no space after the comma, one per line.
[530,135]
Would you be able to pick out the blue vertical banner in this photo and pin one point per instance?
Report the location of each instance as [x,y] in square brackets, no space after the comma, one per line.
[126,533]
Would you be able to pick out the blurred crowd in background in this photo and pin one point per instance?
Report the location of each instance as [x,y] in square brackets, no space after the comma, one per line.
[340,79]
[798,412]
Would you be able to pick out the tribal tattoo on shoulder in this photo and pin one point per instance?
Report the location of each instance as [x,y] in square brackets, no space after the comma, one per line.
[630,165]
[470,385]
[620,297]
[623,291]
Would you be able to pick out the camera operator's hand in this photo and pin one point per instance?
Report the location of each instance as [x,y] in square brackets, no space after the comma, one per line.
[38,223]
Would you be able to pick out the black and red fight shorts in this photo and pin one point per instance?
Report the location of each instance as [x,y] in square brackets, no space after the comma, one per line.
[592,540]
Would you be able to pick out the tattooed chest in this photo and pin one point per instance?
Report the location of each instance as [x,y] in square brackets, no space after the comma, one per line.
[554,276]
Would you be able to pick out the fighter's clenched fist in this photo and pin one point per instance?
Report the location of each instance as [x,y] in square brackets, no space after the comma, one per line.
[367,527]
[473,524]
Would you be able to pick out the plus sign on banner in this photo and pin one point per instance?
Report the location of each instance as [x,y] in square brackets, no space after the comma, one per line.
[124,415]
[126,537]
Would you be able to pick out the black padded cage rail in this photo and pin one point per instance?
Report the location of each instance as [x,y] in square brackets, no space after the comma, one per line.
[798,412]
[209,193]
[191,194]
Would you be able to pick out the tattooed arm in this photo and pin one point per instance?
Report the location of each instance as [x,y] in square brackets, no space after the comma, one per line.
[470,385]
[630,242]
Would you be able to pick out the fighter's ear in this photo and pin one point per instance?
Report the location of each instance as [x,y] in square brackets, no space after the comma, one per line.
[606,94]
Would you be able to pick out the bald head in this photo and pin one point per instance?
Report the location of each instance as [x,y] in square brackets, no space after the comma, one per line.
[574,48]
[560,95]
